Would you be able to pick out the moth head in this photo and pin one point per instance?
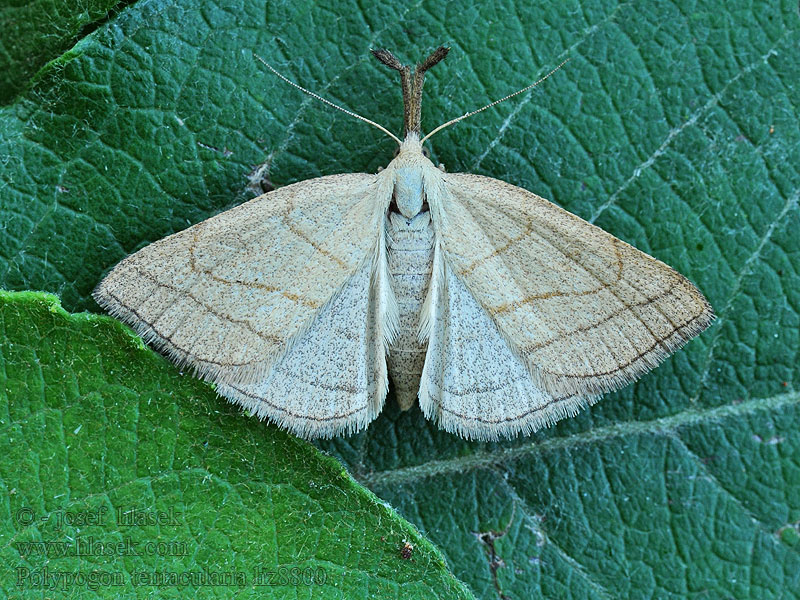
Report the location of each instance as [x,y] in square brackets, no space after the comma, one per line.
[411,160]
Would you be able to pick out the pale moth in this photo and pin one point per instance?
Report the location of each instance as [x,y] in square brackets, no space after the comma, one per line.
[499,311]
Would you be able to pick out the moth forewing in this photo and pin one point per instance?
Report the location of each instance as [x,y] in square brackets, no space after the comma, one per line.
[586,312]
[242,294]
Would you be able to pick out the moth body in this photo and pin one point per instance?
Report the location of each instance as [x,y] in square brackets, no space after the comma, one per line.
[410,255]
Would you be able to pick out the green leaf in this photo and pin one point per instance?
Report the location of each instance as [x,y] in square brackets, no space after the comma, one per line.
[35,32]
[674,126]
[108,452]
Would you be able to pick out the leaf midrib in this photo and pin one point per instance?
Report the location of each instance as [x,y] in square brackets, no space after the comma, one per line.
[661,426]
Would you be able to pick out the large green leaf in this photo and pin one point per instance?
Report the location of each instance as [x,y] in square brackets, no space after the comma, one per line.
[674,126]
[33,33]
[178,493]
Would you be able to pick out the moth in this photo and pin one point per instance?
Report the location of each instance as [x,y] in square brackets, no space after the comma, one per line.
[496,310]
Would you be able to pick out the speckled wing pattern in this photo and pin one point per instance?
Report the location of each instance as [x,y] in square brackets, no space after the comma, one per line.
[332,380]
[472,383]
[252,297]
[581,310]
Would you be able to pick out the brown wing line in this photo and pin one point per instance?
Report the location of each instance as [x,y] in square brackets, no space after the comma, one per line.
[260,286]
[305,417]
[144,325]
[693,326]
[547,405]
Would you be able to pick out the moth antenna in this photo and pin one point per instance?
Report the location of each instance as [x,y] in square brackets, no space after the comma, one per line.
[328,102]
[475,112]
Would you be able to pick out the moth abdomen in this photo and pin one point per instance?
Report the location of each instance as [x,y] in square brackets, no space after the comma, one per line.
[410,246]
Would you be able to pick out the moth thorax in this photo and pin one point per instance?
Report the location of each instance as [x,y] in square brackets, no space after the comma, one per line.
[408,191]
